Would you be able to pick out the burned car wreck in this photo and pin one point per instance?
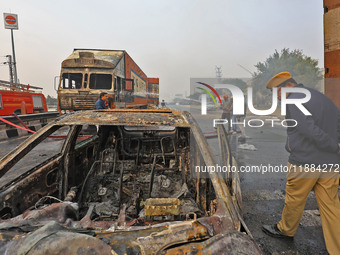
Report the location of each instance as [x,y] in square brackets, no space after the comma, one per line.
[122,182]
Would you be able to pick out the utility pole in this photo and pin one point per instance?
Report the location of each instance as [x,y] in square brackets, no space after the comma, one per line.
[218,73]
[10,64]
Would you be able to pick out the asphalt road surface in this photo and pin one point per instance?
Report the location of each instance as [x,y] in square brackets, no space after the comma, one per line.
[42,152]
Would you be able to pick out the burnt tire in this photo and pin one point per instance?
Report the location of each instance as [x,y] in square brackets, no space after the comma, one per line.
[231,242]
[53,239]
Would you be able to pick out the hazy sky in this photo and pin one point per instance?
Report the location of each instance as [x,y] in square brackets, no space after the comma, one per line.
[173,40]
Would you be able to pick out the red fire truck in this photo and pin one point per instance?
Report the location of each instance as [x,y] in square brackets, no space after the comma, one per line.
[21,99]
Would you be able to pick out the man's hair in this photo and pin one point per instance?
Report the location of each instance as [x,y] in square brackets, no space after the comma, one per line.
[102,94]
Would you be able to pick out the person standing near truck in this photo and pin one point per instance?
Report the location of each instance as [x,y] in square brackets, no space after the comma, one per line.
[240,120]
[227,108]
[313,163]
[102,102]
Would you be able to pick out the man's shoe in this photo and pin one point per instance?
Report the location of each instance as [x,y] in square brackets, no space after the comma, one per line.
[273,231]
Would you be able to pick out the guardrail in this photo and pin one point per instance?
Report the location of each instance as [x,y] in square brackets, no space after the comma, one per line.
[31,117]
[21,125]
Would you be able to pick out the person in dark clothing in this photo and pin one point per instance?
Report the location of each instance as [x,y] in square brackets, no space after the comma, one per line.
[240,119]
[102,101]
[314,151]
[227,108]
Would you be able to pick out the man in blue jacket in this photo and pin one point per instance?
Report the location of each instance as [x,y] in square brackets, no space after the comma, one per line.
[102,101]
[313,163]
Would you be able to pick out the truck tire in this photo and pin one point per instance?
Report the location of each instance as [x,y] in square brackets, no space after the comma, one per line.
[17,111]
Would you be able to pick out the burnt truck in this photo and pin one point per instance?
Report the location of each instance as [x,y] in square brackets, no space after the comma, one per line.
[128,185]
[88,72]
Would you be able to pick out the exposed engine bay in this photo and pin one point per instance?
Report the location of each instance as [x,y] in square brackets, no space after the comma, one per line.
[140,174]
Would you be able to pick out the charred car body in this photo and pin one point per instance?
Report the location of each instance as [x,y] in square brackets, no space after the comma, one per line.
[121,183]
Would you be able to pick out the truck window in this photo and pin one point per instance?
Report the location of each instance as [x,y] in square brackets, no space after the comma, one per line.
[72,80]
[37,102]
[1,106]
[85,80]
[100,81]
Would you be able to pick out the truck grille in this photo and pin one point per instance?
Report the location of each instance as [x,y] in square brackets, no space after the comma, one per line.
[84,103]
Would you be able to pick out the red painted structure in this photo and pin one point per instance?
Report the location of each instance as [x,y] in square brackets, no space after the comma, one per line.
[20,99]
[332,49]
[153,91]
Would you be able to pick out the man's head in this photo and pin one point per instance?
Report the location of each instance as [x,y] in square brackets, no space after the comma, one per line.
[279,81]
[225,97]
[104,96]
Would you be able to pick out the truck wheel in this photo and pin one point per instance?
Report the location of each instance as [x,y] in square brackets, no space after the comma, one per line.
[17,111]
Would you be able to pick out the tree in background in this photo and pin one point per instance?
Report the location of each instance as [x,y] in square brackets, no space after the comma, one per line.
[303,69]
[237,82]
[51,100]
[233,81]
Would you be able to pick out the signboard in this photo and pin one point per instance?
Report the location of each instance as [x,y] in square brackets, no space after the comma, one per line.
[11,21]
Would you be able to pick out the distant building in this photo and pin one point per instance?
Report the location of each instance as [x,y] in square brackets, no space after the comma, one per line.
[179,96]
